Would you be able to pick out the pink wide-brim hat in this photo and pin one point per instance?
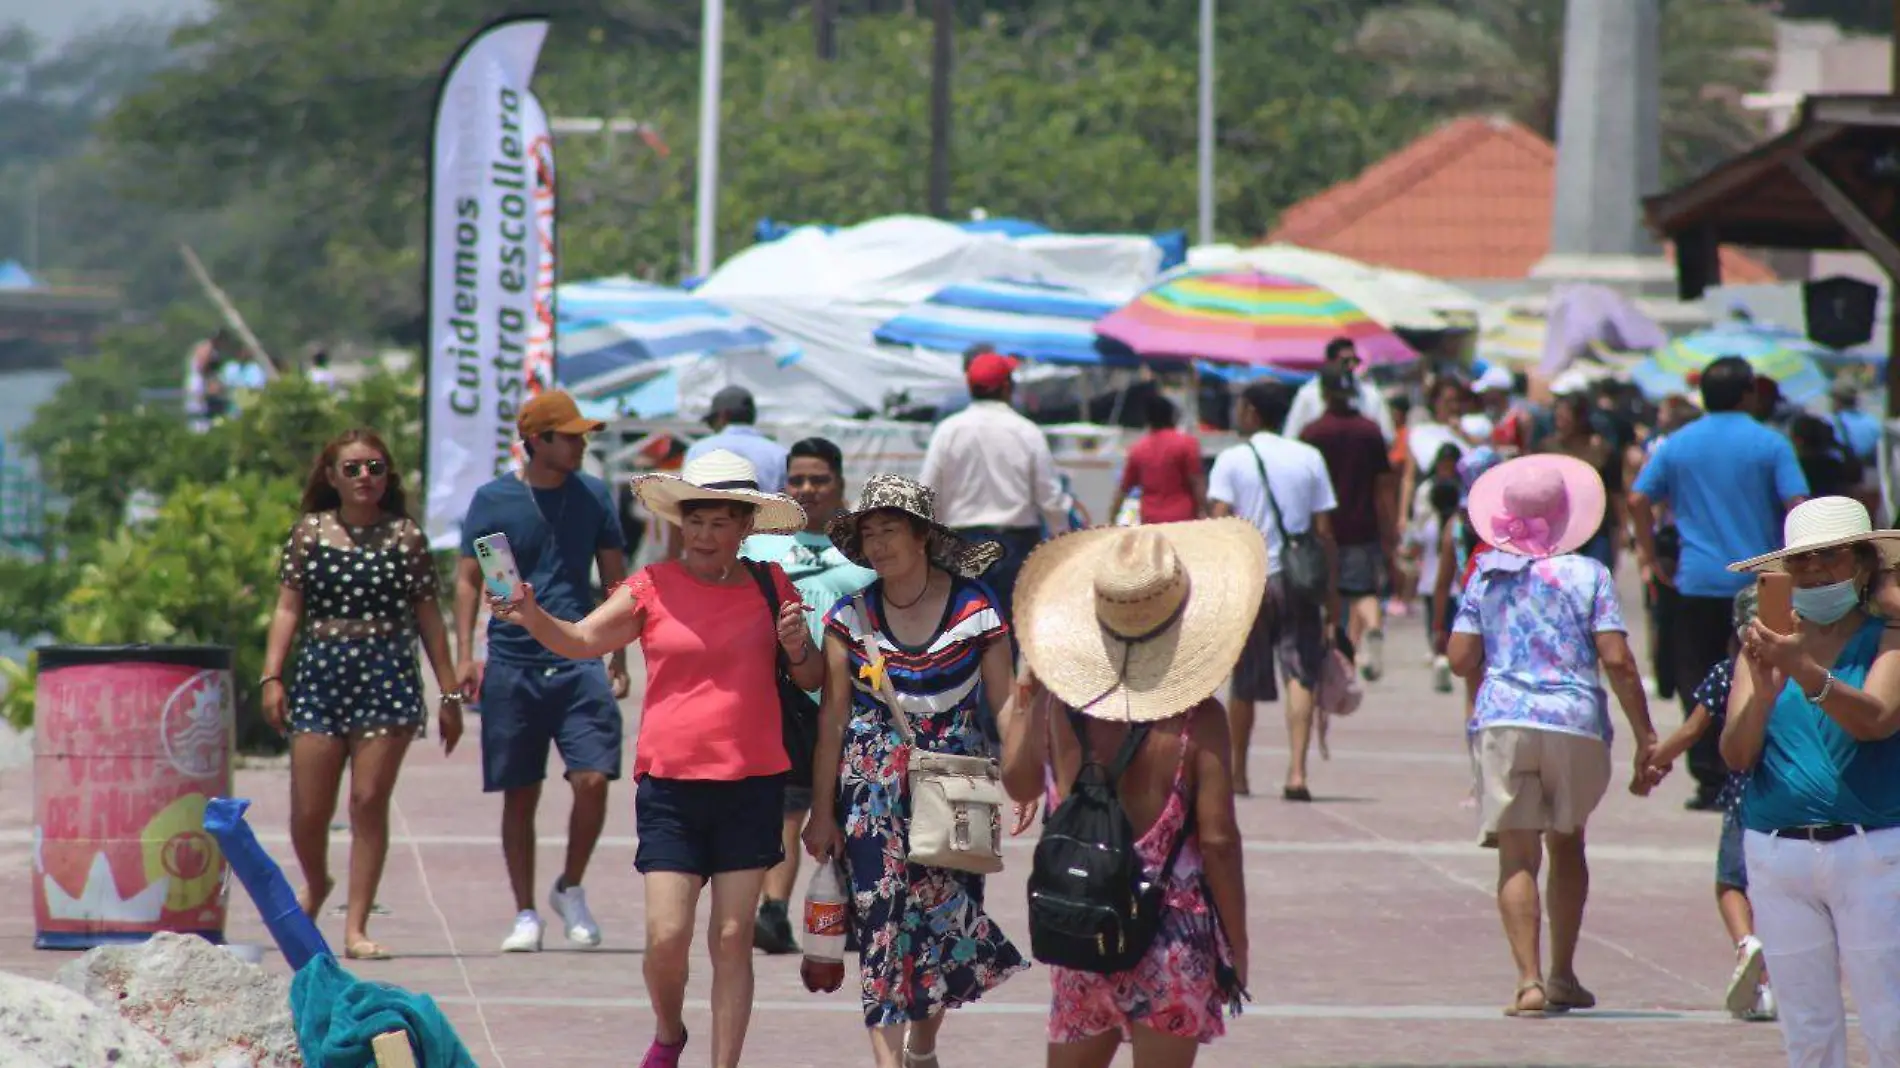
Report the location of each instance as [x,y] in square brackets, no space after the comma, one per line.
[1543,505]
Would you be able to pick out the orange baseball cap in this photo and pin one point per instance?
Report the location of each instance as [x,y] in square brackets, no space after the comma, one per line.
[554,412]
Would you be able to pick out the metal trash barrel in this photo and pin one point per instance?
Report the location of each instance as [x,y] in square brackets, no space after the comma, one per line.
[129,742]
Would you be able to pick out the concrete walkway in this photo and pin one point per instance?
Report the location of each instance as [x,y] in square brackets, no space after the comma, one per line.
[1375,938]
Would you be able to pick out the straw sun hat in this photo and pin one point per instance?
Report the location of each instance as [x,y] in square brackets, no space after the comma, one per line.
[1825,523]
[1142,623]
[719,476]
[895,493]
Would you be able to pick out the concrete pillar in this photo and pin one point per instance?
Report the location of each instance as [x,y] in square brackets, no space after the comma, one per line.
[1609,147]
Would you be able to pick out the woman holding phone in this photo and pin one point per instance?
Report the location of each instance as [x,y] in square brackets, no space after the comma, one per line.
[711,763]
[1814,720]
[358,583]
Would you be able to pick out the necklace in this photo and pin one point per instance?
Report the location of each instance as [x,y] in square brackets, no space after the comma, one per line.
[894,603]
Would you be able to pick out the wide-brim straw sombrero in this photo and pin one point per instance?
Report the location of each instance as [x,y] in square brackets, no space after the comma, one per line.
[719,475]
[895,493]
[1825,523]
[1140,623]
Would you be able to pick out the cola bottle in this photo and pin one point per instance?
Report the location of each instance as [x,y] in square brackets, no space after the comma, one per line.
[825,916]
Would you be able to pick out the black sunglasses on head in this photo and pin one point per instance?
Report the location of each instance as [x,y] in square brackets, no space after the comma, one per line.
[353,468]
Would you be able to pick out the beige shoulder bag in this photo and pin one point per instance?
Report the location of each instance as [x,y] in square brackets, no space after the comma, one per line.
[956,802]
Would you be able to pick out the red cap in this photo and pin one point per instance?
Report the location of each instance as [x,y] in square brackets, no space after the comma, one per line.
[990,371]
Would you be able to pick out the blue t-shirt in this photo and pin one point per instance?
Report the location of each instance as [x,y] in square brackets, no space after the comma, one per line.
[554,534]
[1728,479]
[1811,772]
[767,457]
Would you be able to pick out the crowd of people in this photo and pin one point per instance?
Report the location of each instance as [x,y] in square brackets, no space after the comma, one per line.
[816,666]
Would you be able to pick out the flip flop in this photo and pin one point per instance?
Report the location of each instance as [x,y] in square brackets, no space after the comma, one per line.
[1515,1007]
[1295,793]
[365,949]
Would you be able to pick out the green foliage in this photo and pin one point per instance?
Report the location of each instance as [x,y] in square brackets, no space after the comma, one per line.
[17,681]
[202,572]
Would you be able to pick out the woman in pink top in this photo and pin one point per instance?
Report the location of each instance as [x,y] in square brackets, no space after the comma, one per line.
[711,760]
[1165,465]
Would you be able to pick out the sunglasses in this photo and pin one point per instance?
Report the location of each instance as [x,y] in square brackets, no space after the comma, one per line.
[353,468]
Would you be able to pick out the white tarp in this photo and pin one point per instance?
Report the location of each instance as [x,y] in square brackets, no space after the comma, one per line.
[828,292]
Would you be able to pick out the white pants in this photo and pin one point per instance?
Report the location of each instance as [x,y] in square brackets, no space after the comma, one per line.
[1823,910]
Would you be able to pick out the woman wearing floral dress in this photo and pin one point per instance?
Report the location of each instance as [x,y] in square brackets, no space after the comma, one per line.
[925,943]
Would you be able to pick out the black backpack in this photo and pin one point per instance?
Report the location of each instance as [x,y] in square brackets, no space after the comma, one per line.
[1090,906]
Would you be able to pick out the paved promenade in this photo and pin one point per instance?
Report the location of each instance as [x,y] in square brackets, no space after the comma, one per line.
[1375,938]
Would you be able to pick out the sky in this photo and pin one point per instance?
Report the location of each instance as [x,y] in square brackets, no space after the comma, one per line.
[58,20]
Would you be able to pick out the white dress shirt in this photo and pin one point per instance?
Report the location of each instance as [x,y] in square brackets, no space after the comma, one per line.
[991,467]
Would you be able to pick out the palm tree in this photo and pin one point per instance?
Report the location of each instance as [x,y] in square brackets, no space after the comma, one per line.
[1506,57]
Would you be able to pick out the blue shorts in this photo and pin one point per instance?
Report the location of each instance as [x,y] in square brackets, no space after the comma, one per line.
[705,827]
[526,707]
[1730,868]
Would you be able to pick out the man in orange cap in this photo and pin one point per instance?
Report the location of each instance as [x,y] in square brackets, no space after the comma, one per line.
[560,525]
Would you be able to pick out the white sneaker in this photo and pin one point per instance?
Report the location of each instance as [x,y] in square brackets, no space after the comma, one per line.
[571,906]
[526,937]
[1441,674]
[1372,655]
[1764,1010]
[1744,984]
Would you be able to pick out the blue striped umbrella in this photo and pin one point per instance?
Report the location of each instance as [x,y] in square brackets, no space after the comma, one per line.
[611,330]
[1030,320]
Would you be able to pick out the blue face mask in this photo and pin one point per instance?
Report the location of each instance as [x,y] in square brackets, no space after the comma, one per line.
[1827,604]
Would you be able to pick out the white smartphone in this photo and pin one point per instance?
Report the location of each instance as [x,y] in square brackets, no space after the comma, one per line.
[497,562]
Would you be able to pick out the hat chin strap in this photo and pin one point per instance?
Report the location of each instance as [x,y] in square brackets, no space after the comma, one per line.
[1128,644]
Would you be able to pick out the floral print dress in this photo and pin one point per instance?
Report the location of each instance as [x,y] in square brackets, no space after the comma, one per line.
[1183,987]
[925,943]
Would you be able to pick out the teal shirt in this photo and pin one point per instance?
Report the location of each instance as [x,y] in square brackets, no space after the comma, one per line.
[820,572]
[1811,772]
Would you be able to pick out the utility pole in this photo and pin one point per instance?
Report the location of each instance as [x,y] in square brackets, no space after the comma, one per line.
[706,193]
[943,53]
[824,19]
[1206,138]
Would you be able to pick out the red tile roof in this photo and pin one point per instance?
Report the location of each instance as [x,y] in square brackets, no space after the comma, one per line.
[1471,199]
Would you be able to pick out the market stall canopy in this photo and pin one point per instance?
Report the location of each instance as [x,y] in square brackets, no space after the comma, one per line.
[610,331]
[1022,319]
[1781,356]
[1172,243]
[1247,317]
[1401,300]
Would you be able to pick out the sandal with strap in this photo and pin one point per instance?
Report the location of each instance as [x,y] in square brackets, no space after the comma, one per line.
[365,949]
[1516,1007]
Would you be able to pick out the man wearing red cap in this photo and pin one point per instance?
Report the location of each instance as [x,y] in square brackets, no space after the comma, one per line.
[994,475]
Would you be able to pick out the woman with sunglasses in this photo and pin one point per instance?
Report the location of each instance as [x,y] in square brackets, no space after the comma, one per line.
[1814,722]
[359,585]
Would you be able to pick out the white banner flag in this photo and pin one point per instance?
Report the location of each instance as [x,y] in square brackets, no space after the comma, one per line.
[483,245]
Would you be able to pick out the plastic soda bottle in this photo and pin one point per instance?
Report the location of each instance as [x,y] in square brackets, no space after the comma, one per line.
[823,967]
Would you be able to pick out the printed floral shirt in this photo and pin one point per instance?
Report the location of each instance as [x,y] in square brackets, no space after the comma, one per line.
[1539,620]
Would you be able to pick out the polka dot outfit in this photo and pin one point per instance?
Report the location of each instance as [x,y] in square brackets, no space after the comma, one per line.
[356,669]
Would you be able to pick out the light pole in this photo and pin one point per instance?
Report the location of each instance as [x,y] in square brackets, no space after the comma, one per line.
[706,195]
[1206,137]
[942,53]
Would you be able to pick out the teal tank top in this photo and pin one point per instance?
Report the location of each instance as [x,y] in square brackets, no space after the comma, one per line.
[1811,772]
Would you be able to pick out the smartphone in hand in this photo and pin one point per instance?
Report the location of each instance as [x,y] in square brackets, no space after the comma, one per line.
[497,561]
[1775,601]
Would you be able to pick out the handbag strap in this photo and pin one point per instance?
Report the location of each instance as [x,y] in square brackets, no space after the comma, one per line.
[880,676]
[1266,486]
[762,575]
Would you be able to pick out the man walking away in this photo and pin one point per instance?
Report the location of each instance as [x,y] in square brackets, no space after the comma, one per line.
[1729,480]
[994,476]
[1366,522]
[1309,403]
[560,524]
[732,416]
[1165,465]
[1278,484]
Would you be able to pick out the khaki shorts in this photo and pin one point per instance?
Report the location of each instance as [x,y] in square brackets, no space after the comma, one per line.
[1539,780]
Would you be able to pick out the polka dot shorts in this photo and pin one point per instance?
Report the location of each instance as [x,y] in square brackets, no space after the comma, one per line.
[357,688]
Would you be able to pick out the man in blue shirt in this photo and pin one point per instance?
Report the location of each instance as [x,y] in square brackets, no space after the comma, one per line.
[1729,480]
[560,524]
[732,417]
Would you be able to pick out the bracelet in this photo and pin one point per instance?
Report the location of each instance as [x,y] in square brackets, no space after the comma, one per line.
[268,679]
[806,655]
[452,697]
[1827,687]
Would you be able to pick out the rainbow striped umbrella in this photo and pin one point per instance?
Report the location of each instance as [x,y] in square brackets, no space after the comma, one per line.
[1245,316]
[1778,355]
